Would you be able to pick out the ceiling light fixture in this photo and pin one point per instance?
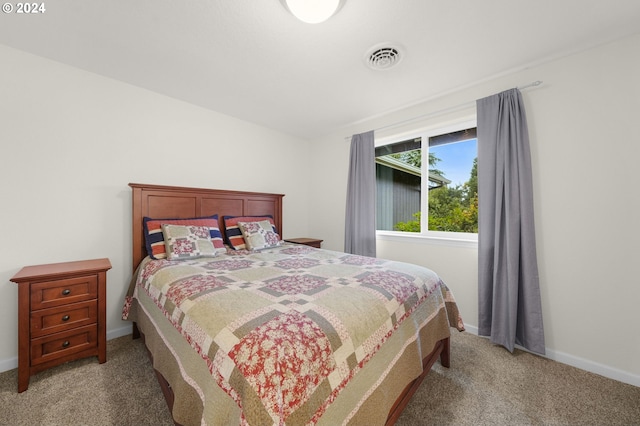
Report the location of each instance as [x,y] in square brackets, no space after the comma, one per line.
[313,11]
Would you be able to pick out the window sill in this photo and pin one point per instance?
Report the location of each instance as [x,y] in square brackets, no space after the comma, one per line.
[440,238]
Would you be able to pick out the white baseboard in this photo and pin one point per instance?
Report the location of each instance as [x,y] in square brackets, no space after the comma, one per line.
[119,332]
[581,363]
[11,363]
[594,367]
[574,361]
[8,364]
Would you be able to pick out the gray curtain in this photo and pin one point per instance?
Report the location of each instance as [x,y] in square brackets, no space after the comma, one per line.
[360,223]
[510,310]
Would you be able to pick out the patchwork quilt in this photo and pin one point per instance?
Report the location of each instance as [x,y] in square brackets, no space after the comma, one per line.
[284,331]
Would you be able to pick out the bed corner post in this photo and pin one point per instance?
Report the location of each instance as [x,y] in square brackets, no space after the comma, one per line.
[136,225]
[445,355]
[135,332]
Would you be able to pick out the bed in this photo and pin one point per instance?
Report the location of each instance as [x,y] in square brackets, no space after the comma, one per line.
[260,331]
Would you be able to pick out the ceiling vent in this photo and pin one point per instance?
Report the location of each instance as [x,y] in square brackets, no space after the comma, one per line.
[383,57]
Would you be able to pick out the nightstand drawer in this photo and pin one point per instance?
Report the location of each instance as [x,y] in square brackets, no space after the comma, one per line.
[62,292]
[61,318]
[65,343]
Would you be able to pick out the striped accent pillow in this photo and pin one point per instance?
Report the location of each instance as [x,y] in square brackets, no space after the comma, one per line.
[154,239]
[233,233]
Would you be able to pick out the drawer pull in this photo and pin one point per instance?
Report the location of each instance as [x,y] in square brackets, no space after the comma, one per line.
[66,292]
[66,318]
[65,344]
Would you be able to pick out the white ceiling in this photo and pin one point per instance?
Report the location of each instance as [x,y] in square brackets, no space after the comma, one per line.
[251,59]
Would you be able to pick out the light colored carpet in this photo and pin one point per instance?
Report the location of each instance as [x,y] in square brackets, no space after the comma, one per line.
[122,391]
[484,386]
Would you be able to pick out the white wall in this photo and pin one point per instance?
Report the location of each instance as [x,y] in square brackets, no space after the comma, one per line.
[70,143]
[67,135]
[585,153]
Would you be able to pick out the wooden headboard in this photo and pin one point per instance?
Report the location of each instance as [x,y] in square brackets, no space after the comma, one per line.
[161,202]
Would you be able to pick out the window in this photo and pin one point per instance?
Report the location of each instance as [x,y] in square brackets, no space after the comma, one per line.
[448,157]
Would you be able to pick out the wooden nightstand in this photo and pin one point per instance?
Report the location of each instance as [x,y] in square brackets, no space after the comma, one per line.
[61,315]
[312,242]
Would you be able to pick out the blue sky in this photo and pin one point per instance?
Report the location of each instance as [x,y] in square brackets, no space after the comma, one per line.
[457,160]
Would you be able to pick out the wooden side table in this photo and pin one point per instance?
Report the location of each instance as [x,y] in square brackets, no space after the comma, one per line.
[312,242]
[61,315]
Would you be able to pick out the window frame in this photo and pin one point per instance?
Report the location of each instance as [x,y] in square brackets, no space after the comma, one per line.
[426,235]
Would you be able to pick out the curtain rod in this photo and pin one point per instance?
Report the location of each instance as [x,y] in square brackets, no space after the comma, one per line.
[444,111]
[533,84]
